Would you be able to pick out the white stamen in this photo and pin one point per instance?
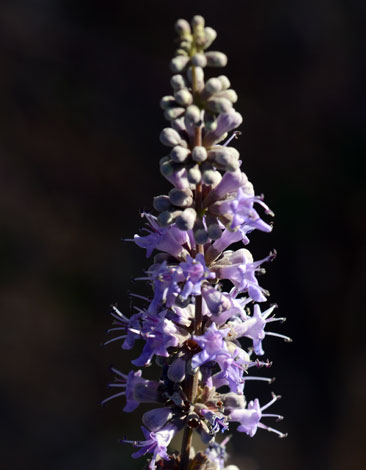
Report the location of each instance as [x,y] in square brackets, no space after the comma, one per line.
[278,335]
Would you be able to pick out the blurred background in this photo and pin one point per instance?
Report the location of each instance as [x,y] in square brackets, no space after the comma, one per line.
[80,85]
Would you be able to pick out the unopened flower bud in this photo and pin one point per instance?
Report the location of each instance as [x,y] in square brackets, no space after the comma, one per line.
[199,232]
[229,95]
[213,85]
[177,82]
[167,102]
[185,221]
[156,418]
[179,153]
[199,154]
[198,21]
[170,137]
[194,175]
[167,217]
[177,370]
[177,64]
[210,36]
[166,167]
[217,105]
[173,113]
[161,203]
[183,97]
[180,198]
[226,122]
[182,27]
[211,177]
[225,82]
[199,60]
[178,124]
[214,231]
[228,161]
[216,59]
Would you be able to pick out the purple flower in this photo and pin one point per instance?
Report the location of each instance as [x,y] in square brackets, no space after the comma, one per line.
[165,279]
[250,417]
[123,324]
[160,334]
[136,389]
[156,443]
[240,269]
[253,327]
[213,346]
[217,422]
[168,239]
[239,210]
[194,271]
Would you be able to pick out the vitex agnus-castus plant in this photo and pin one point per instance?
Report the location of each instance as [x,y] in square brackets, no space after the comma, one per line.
[205,296]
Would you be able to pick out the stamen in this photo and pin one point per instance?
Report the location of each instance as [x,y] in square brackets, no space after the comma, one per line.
[269,415]
[139,297]
[234,135]
[114,339]
[278,335]
[263,379]
[113,396]
[117,385]
[119,314]
[117,372]
[281,319]
[267,428]
[268,312]
[274,399]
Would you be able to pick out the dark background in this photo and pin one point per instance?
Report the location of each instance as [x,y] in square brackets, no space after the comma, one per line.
[80,84]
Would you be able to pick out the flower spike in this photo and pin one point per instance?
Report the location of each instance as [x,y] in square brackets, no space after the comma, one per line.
[192,325]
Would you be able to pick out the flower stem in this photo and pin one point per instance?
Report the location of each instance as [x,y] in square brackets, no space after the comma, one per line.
[191,382]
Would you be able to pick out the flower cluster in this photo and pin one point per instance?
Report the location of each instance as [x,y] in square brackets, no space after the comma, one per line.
[204,323]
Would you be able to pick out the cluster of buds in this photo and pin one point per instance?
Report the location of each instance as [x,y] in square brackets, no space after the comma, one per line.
[191,327]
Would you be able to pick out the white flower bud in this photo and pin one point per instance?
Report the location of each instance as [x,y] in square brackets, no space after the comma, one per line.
[178,63]
[179,154]
[218,105]
[227,157]
[170,137]
[180,198]
[173,113]
[193,114]
[185,221]
[161,203]
[210,36]
[167,217]
[225,82]
[211,177]
[194,175]
[199,60]
[182,27]
[216,59]
[213,85]
[167,102]
[198,21]
[199,154]
[177,82]
[183,97]
[178,124]
[229,95]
